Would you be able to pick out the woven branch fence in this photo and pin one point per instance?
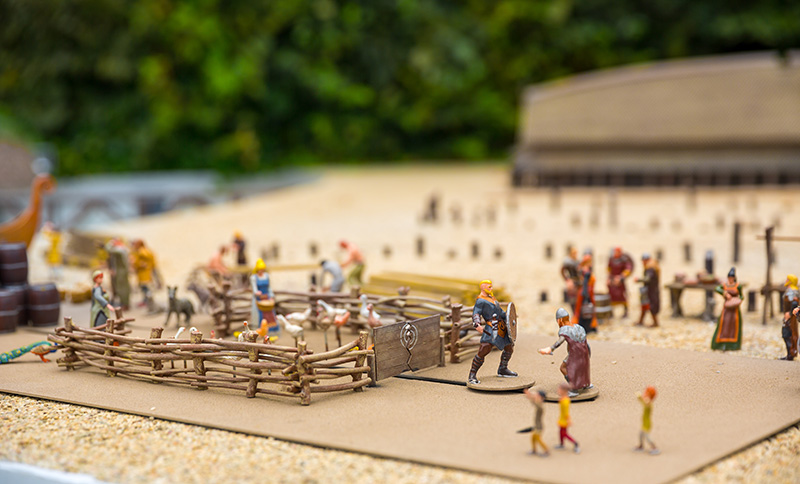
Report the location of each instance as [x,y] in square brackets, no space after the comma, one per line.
[201,363]
[456,320]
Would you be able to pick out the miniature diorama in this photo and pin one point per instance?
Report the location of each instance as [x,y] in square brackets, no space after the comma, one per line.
[241,191]
[646,398]
[576,366]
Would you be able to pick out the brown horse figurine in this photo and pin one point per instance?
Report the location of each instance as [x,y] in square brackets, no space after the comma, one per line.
[23,228]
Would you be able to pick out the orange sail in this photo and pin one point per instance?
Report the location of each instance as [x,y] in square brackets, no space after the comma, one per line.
[23,228]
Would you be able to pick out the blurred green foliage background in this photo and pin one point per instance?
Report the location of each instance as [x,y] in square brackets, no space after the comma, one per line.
[247,86]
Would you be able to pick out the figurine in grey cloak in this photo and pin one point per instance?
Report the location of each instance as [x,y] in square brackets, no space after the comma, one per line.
[494,332]
[575,368]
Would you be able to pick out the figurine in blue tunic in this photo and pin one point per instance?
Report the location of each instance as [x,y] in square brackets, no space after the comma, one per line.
[494,332]
[262,291]
[101,308]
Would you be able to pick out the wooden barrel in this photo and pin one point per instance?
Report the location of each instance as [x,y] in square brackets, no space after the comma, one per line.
[44,304]
[9,312]
[17,294]
[13,264]
[602,306]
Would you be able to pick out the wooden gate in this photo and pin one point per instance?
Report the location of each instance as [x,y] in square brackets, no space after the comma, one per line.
[407,346]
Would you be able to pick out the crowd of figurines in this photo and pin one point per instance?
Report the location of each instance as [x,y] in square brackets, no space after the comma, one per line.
[489,318]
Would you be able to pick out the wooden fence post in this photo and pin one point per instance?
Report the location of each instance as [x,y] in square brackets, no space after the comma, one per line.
[69,354]
[360,359]
[252,385]
[199,367]
[109,342]
[155,333]
[302,371]
[455,317]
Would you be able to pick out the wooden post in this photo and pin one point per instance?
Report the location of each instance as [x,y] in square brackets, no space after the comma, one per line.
[737,231]
[371,363]
[687,252]
[420,246]
[360,359]
[475,250]
[441,351]
[303,370]
[199,366]
[252,353]
[768,283]
[109,342]
[155,333]
[548,251]
[455,317]
[69,354]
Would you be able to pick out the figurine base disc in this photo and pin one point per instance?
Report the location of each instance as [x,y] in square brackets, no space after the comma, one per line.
[496,383]
[589,394]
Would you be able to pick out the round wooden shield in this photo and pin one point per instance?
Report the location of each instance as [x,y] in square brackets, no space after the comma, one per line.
[511,313]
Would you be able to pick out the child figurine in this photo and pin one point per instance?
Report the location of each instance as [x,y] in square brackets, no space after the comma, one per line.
[575,367]
[584,303]
[647,398]
[537,399]
[564,419]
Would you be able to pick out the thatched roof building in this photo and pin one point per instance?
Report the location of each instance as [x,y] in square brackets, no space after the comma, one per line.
[725,120]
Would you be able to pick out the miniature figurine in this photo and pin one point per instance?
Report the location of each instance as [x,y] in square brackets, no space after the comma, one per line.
[262,292]
[651,297]
[143,263]
[39,349]
[239,246]
[101,308]
[576,366]
[584,304]
[335,270]
[118,270]
[355,257]
[53,254]
[647,398]
[178,307]
[791,299]
[620,266]
[494,332]
[571,276]
[537,399]
[728,335]
[564,420]
[216,265]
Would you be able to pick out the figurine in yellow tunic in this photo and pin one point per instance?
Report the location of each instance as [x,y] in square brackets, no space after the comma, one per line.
[143,263]
[53,254]
[646,398]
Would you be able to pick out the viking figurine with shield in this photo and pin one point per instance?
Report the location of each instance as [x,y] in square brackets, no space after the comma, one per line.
[497,329]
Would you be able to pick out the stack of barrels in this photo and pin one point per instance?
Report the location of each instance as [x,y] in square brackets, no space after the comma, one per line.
[21,302]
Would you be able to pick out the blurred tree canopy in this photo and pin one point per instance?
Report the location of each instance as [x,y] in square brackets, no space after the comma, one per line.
[245,86]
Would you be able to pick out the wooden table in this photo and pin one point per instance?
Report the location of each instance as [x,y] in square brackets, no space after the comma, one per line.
[676,290]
